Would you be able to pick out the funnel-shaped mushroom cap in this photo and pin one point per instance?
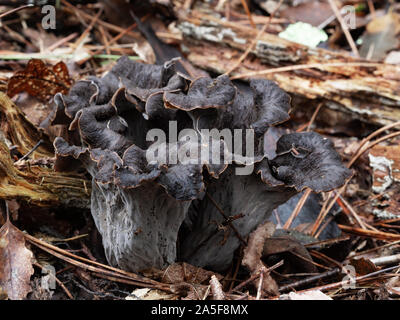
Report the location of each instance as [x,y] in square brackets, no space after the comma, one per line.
[203,93]
[308,160]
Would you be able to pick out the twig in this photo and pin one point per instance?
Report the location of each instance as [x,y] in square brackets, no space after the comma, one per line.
[309,280]
[297,209]
[236,269]
[371,8]
[314,116]
[324,257]
[69,295]
[246,8]
[15,10]
[87,30]
[104,37]
[364,146]
[382,261]
[50,56]
[227,219]
[340,283]
[98,268]
[37,145]
[370,233]
[245,54]
[350,210]
[260,282]
[255,276]
[344,28]
[62,41]
[305,66]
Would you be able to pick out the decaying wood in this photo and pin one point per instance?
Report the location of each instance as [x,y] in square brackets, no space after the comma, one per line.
[367,93]
[34,180]
[385,163]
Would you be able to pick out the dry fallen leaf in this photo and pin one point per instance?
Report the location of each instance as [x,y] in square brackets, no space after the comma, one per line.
[380,36]
[182,272]
[15,263]
[39,80]
[253,252]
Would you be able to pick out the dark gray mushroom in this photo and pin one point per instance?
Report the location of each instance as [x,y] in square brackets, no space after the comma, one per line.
[140,203]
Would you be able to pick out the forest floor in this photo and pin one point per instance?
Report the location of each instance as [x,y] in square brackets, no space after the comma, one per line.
[341,68]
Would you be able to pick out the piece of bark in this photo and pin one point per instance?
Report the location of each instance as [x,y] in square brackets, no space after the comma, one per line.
[369,94]
[34,180]
[40,185]
[216,289]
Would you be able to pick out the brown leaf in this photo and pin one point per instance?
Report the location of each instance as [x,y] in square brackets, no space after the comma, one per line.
[363,266]
[40,81]
[253,252]
[380,36]
[15,263]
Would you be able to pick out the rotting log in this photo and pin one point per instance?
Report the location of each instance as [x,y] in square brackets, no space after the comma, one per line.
[368,93]
[34,181]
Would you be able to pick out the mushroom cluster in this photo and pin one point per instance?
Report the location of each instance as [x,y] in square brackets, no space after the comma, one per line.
[154,210]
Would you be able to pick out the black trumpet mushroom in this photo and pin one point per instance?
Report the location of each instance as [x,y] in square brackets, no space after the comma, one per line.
[157,200]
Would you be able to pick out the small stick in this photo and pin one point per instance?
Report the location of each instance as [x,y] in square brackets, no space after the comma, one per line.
[104,37]
[309,280]
[298,208]
[314,116]
[255,276]
[382,261]
[245,54]
[32,150]
[370,233]
[87,30]
[227,219]
[364,146]
[371,8]
[15,10]
[340,283]
[260,283]
[57,280]
[304,66]
[246,8]
[347,205]
[344,28]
